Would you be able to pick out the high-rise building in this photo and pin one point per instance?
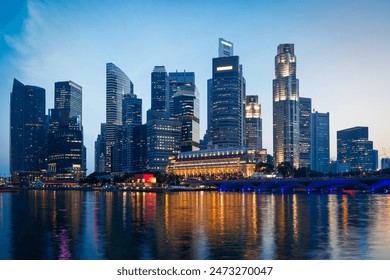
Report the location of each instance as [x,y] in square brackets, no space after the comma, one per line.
[159,97]
[27,128]
[140,148]
[185,108]
[227,101]
[353,146]
[225,48]
[305,132]
[117,86]
[253,123]
[68,98]
[163,141]
[65,150]
[100,150]
[132,117]
[286,107]
[385,163]
[320,150]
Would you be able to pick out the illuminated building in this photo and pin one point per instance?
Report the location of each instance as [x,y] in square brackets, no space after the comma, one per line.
[163,141]
[27,128]
[320,142]
[185,108]
[214,162]
[253,123]
[286,107]
[117,85]
[226,102]
[65,149]
[354,147]
[305,132]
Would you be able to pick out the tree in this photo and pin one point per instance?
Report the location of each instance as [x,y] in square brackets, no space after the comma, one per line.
[285,169]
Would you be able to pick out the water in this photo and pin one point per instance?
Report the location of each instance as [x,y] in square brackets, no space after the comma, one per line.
[193,225]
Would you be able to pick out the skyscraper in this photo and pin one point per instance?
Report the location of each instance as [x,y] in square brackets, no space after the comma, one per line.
[354,147]
[117,85]
[305,132]
[186,108]
[100,150]
[159,97]
[253,123]
[225,48]
[132,117]
[227,97]
[320,142]
[65,147]
[27,128]
[286,107]
[163,141]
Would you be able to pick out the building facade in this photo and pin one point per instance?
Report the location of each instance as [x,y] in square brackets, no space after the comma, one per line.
[253,123]
[185,108]
[214,163]
[65,149]
[385,163]
[118,85]
[227,97]
[163,141]
[354,147]
[286,107]
[320,144]
[132,117]
[27,128]
[159,89]
[305,132]
[100,150]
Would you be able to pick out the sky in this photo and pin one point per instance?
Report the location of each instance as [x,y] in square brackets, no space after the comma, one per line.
[343,62]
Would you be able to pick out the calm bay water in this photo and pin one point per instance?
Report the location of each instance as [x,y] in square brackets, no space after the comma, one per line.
[193,225]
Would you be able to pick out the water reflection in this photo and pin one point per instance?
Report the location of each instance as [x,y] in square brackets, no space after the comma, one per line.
[192,225]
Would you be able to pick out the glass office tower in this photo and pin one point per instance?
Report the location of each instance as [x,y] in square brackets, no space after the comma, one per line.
[27,128]
[320,142]
[227,97]
[117,85]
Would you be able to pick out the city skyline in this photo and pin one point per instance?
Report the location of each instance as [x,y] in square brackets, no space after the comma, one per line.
[334,59]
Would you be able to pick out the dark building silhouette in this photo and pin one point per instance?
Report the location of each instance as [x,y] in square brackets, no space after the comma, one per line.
[27,128]
[140,148]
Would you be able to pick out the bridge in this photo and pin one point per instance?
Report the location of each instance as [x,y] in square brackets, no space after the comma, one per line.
[307,185]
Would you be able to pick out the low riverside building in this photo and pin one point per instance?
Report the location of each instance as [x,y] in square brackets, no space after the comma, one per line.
[240,162]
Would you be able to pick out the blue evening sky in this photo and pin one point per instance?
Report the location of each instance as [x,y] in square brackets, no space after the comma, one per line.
[341,48]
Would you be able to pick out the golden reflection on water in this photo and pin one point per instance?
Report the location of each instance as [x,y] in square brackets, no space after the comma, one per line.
[195,225]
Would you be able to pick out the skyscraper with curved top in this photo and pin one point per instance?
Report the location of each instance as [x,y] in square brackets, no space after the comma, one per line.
[117,85]
[286,107]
